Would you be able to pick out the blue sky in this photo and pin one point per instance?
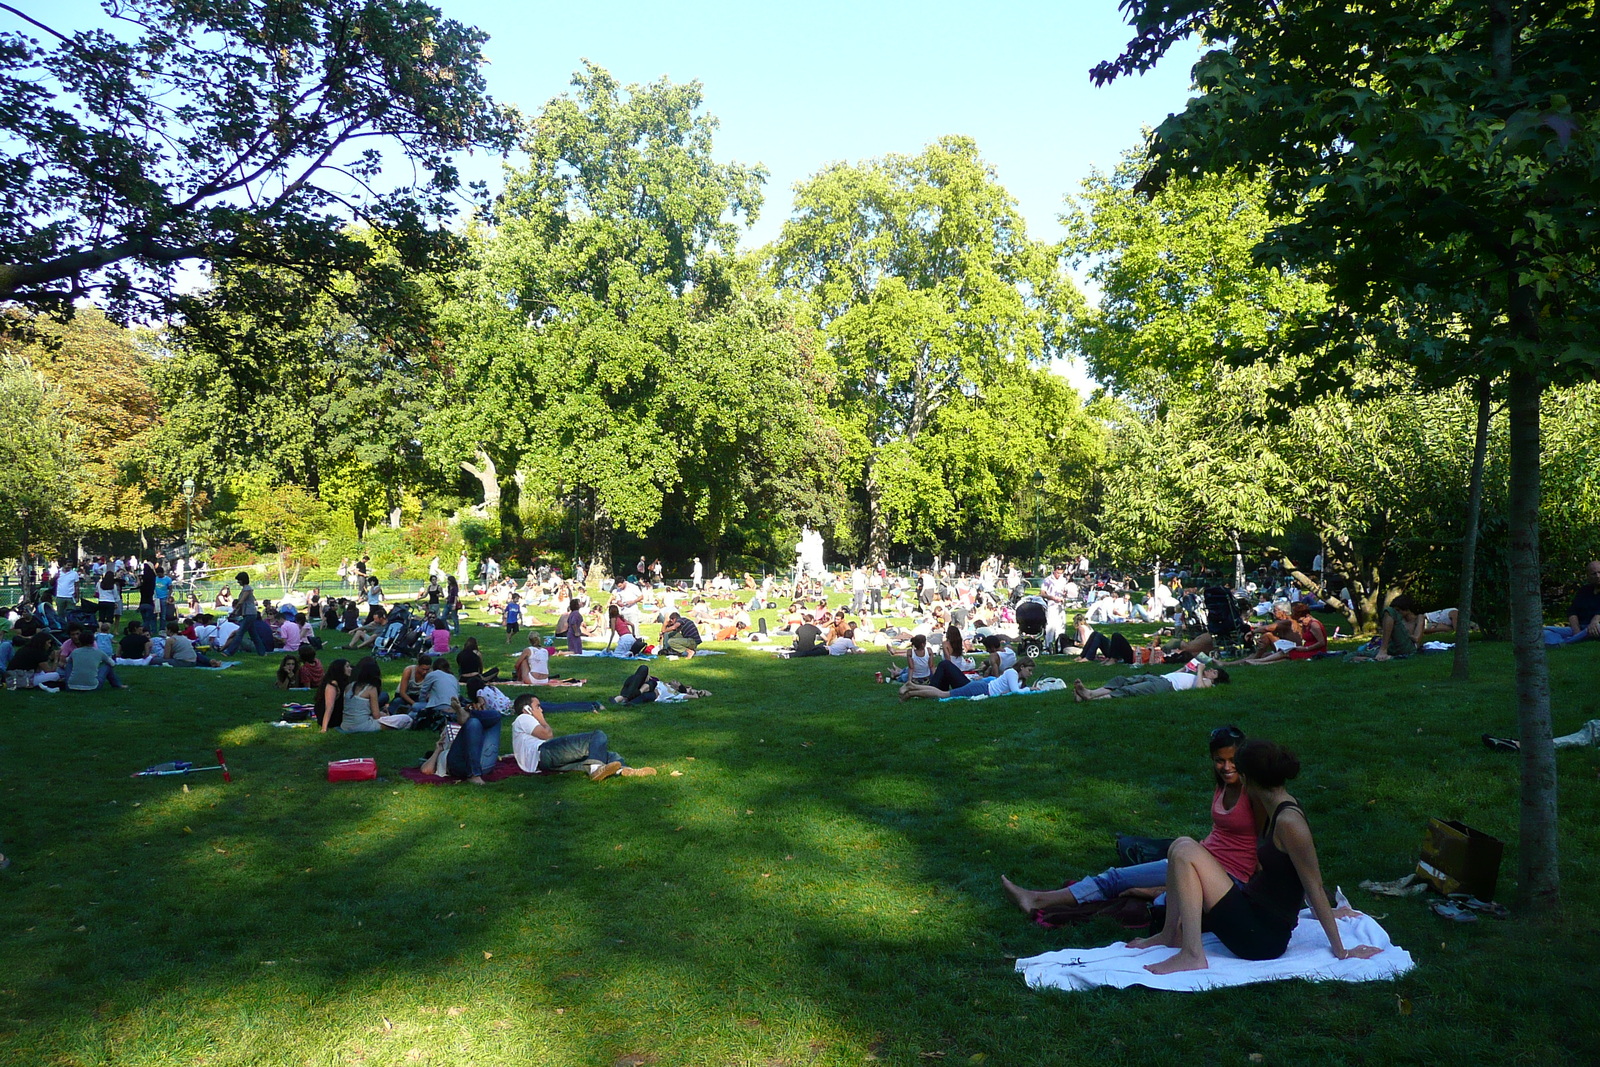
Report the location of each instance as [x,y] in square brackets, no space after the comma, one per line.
[796,88]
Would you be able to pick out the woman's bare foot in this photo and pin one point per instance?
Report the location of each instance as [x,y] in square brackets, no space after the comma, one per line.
[1153,941]
[1183,961]
[904,696]
[1079,692]
[1026,899]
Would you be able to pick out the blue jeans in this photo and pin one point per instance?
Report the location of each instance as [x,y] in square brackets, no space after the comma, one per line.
[1563,635]
[976,687]
[1112,883]
[476,748]
[571,753]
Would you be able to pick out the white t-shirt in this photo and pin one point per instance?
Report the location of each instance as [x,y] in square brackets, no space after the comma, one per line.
[205,636]
[524,746]
[1008,682]
[538,663]
[67,584]
[1182,680]
[225,631]
[1440,617]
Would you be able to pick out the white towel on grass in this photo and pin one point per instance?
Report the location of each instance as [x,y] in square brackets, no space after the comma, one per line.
[1308,956]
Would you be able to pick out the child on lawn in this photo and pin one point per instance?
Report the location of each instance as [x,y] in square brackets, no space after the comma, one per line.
[513,616]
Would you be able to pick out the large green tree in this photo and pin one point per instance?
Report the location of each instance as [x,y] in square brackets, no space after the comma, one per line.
[608,346]
[213,130]
[1434,163]
[310,397]
[930,294]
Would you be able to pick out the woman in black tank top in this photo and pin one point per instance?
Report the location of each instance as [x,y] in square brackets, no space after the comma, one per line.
[1254,919]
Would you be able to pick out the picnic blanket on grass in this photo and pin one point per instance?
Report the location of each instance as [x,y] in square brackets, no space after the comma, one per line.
[1308,956]
[599,653]
[505,768]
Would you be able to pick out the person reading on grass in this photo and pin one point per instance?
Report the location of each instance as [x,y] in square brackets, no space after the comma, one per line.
[1312,635]
[1012,680]
[1202,677]
[679,636]
[1399,634]
[1252,919]
[532,666]
[469,746]
[1232,841]
[537,748]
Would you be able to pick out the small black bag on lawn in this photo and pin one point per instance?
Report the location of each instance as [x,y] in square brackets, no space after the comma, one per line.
[1132,851]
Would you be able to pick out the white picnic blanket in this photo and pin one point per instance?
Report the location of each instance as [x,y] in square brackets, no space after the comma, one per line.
[1308,956]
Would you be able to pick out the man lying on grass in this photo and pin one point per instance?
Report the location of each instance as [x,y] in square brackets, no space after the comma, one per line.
[1146,684]
[537,748]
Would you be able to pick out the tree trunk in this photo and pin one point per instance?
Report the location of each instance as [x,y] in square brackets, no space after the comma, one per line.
[1537,868]
[1469,540]
[1238,562]
[487,477]
[602,538]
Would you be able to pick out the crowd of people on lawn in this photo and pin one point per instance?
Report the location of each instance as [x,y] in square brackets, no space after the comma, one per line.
[947,635]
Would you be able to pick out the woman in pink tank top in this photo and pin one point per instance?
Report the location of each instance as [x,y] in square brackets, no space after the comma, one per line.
[1232,841]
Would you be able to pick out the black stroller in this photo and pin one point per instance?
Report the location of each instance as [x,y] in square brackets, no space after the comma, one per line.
[1031,618]
[1225,622]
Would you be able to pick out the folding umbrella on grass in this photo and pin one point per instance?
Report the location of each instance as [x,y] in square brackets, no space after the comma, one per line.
[162,770]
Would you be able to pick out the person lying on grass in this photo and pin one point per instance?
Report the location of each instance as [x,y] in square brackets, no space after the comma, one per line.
[641,687]
[532,666]
[537,748]
[1232,841]
[1253,919]
[1146,684]
[1012,680]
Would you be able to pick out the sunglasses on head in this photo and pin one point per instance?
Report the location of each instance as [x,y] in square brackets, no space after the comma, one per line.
[1226,733]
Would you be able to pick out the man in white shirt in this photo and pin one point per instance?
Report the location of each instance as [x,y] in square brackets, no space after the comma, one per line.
[537,748]
[67,580]
[1054,591]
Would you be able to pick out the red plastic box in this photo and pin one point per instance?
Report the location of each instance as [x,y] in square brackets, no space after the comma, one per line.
[353,770]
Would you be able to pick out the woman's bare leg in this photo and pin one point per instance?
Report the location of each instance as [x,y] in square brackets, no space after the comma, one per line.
[917,689]
[1030,900]
[1195,882]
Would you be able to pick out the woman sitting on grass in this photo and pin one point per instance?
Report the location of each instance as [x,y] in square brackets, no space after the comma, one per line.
[363,699]
[1253,919]
[330,703]
[1012,680]
[532,666]
[1399,635]
[1232,841]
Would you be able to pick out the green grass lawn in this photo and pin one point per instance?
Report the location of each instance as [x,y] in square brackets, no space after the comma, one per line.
[819,885]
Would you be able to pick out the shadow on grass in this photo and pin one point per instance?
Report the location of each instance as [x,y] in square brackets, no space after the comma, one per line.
[819,885]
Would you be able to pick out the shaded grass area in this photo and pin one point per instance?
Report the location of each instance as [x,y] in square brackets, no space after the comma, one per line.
[818,886]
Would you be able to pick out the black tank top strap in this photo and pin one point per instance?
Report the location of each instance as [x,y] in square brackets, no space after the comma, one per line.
[1272,822]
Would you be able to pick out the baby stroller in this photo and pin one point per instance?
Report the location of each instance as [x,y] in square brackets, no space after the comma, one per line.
[1031,620]
[399,620]
[1225,622]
